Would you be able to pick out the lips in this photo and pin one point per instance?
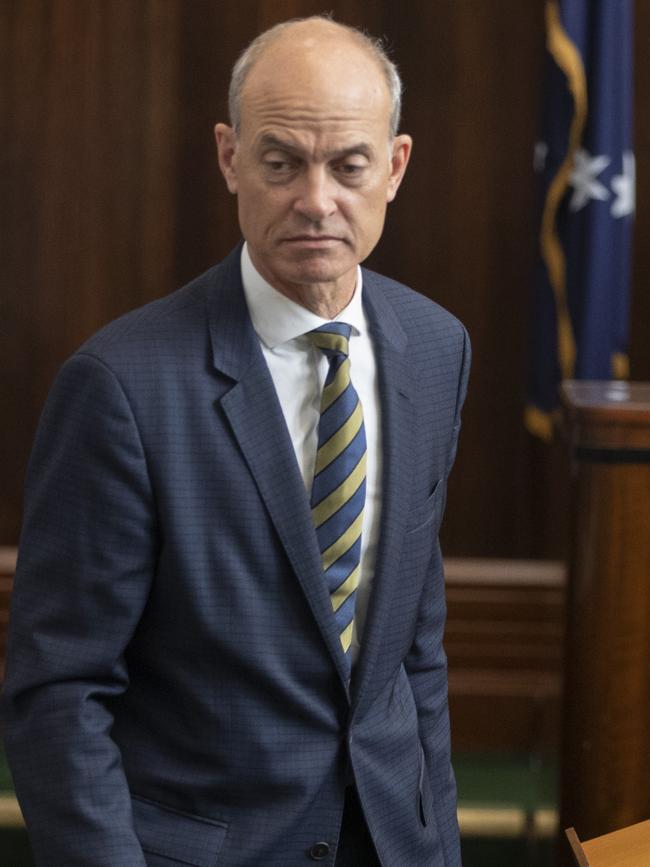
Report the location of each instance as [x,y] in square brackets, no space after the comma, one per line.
[314,242]
[313,238]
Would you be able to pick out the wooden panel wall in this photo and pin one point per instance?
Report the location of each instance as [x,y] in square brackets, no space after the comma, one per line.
[504,643]
[111,197]
[89,173]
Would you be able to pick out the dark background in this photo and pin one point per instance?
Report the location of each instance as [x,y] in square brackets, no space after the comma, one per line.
[111,197]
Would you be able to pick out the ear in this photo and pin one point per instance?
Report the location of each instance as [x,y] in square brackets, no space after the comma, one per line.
[226,139]
[400,154]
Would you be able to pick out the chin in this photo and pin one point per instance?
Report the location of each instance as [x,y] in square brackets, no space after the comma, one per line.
[315,277]
[321,270]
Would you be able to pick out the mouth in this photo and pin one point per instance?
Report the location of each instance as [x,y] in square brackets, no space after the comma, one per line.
[313,241]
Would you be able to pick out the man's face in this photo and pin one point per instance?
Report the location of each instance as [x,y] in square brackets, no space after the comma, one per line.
[313,165]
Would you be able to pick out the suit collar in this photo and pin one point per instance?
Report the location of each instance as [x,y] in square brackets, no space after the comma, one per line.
[278,319]
[234,343]
[385,325]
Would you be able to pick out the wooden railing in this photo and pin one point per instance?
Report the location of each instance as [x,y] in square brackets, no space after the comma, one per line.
[504,643]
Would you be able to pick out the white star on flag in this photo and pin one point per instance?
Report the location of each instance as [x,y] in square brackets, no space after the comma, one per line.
[624,187]
[584,179]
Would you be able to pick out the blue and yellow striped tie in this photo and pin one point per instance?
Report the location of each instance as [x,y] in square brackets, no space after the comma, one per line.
[339,489]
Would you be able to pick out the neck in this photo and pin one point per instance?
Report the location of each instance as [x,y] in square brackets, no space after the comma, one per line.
[325,301]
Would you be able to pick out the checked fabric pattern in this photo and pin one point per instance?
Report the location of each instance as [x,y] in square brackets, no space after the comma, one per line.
[339,487]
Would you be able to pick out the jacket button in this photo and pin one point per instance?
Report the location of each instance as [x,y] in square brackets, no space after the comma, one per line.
[319,851]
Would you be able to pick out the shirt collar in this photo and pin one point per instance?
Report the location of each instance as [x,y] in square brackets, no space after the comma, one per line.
[277,319]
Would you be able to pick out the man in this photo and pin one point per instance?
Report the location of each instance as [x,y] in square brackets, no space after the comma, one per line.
[226,642]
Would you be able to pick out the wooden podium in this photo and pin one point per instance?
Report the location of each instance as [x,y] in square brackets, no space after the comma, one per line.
[629,847]
[606,728]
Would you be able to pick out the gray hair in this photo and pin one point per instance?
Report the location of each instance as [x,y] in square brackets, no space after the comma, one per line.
[375,48]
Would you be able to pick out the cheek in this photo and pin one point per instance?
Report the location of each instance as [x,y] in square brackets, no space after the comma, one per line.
[371,212]
[258,208]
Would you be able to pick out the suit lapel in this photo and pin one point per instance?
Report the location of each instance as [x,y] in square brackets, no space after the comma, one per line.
[397,410]
[257,422]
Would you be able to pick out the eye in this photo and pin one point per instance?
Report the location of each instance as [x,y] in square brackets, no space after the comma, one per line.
[277,164]
[351,170]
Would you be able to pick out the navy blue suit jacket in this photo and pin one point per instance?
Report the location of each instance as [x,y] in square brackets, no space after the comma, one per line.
[176,691]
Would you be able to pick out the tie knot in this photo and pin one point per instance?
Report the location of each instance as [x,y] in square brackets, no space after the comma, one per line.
[333,338]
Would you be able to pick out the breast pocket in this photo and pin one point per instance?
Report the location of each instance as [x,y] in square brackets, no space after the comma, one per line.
[428,513]
[169,837]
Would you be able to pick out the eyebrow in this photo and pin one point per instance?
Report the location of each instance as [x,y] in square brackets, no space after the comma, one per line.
[270,141]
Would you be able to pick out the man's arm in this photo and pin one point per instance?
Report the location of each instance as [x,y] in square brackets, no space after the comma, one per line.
[87,555]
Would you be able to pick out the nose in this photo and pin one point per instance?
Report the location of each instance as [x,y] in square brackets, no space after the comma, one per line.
[315,199]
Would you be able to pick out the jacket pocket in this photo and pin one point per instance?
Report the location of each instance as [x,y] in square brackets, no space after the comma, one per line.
[425,806]
[176,837]
[421,814]
[425,514]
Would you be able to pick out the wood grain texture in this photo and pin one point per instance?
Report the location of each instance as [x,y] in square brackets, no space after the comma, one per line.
[504,641]
[628,847]
[90,178]
[606,760]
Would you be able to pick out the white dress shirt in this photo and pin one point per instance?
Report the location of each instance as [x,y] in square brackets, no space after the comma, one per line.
[298,370]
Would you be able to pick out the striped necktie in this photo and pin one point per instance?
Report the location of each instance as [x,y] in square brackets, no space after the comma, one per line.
[339,488]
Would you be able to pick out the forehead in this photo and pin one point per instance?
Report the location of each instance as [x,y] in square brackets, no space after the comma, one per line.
[316,85]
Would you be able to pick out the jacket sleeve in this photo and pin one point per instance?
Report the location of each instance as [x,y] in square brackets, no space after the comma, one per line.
[87,556]
[426,663]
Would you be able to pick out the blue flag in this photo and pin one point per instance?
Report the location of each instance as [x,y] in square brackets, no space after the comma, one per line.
[580,307]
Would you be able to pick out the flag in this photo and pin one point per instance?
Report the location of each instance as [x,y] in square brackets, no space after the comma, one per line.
[585,159]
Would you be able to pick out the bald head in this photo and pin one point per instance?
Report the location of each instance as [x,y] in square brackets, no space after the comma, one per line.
[311,157]
[321,38]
